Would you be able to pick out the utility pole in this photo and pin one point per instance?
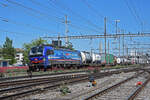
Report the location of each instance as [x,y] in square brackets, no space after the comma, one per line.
[123,44]
[119,46]
[105,36]
[100,48]
[66,31]
[108,52]
[127,51]
[117,33]
[59,44]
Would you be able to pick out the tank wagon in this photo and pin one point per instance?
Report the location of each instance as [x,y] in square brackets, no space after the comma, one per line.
[96,58]
[123,61]
[86,58]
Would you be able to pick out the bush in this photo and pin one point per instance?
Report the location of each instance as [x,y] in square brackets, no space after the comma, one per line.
[2,74]
[64,89]
[96,70]
[89,71]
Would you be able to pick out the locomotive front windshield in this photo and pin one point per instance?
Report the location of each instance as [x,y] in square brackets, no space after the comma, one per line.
[36,51]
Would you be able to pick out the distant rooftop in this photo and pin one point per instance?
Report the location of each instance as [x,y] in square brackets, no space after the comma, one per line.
[1,59]
[19,50]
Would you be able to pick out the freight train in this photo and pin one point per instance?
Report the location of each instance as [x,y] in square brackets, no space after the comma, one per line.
[47,56]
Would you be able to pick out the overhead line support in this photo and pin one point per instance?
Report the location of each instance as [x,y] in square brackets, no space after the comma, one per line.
[105,36]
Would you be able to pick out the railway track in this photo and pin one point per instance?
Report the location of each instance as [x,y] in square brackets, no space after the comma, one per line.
[25,87]
[86,89]
[62,73]
[135,93]
[11,93]
[54,78]
[29,81]
[57,81]
[35,76]
[121,90]
[38,89]
[49,83]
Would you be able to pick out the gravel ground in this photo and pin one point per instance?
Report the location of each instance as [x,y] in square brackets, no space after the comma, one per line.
[107,82]
[29,88]
[123,91]
[81,88]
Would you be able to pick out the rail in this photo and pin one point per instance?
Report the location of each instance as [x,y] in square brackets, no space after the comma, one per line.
[138,90]
[111,87]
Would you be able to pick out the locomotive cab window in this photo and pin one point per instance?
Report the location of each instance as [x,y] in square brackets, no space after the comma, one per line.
[33,50]
[40,49]
[50,52]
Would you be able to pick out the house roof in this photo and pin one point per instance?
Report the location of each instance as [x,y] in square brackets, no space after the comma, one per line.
[19,50]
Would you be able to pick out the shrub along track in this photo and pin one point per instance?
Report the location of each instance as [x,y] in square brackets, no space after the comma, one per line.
[35,86]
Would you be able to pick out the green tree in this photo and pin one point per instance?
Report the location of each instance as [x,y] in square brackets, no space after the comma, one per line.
[70,46]
[28,46]
[8,51]
[0,51]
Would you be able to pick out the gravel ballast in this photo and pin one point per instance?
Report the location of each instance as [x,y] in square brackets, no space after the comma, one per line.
[78,91]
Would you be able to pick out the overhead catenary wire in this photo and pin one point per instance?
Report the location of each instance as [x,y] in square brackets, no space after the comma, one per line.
[70,24]
[18,33]
[93,9]
[50,17]
[4,5]
[45,6]
[76,14]
[83,27]
[109,21]
[136,13]
[96,11]
[33,10]
[139,16]
[6,20]
[23,24]
[133,13]
[28,12]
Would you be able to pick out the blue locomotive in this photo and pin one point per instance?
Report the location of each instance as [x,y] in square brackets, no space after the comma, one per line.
[48,56]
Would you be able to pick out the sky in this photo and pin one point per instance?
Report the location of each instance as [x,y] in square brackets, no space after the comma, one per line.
[26,20]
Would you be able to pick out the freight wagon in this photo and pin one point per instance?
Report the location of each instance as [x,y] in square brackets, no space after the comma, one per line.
[110,59]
